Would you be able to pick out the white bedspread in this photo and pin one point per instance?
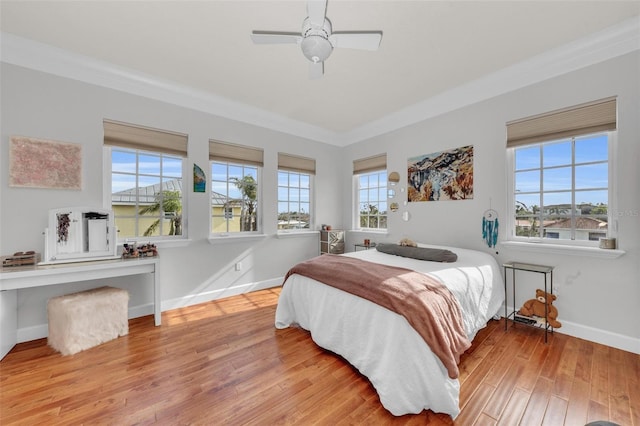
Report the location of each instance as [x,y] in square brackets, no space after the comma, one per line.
[381,344]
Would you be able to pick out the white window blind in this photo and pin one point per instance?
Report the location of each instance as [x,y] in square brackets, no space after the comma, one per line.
[234,153]
[145,138]
[591,117]
[294,163]
[370,164]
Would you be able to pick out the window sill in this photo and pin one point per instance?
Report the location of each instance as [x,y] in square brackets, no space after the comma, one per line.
[564,250]
[295,234]
[232,238]
[369,231]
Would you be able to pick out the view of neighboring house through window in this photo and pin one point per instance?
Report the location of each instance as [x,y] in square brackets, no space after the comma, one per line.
[234,197]
[146,183]
[370,177]
[295,177]
[235,190]
[561,186]
[561,189]
[146,193]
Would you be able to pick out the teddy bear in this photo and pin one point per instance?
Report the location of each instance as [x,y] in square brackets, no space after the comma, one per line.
[536,307]
[407,242]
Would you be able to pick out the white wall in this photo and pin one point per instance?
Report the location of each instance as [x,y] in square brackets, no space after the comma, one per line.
[598,298]
[41,105]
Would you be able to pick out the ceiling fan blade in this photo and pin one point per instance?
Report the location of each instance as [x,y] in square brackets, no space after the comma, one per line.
[368,40]
[316,9]
[268,37]
[316,70]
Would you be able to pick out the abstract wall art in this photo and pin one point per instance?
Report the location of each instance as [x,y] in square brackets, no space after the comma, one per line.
[39,163]
[445,175]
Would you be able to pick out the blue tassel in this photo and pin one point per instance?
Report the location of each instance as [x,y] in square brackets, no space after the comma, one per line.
[494,238]
[490,231]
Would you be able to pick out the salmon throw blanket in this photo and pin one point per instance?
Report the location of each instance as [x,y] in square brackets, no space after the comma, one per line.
[425,302]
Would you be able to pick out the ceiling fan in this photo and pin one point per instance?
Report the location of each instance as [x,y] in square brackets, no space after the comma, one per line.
[316,39]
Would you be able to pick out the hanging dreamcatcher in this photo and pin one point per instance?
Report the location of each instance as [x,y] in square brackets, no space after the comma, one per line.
[490,227]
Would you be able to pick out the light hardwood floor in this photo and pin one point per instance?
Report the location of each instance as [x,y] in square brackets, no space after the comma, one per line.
[224,363]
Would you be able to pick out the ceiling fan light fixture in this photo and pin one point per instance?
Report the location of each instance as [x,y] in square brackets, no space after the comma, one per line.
[316,48]
[316,38]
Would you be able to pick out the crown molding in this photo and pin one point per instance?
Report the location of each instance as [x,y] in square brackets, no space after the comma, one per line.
[607,44]
[610,43]
[38,56]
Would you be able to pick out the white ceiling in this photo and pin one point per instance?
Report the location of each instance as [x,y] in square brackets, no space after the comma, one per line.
[429,49]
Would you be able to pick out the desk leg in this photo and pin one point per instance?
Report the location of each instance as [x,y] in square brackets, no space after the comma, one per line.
[157,300]
[8,321]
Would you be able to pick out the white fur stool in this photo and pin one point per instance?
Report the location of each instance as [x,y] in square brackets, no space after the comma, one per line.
[79,321]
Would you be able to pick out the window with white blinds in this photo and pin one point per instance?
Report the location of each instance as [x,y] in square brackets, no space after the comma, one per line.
[146,177]
[295,192]
[235,187]
[561,163]
[371,199]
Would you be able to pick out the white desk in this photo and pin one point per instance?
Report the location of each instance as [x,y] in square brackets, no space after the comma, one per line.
[16,278]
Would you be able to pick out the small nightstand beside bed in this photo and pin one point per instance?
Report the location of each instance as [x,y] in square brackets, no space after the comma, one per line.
[383,345]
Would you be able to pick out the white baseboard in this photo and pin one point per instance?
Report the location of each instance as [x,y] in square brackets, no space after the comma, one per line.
[608,338]
[207,296]
[34,332]
[140,310]
[603,337]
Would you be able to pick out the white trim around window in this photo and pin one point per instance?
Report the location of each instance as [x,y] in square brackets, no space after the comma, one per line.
[297,202]
[380,202]
[563,246]
[228,234]
[162,240]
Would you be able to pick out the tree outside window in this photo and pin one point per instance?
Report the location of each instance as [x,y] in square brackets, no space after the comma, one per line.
[372,200]
[170,203]
[146,193]
[561,189]
[294,200]
[234,197]
[249,189]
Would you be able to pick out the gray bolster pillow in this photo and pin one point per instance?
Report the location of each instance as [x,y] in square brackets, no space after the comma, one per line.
[420,253]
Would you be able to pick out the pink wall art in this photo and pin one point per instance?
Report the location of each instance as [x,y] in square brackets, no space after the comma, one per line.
[39,163]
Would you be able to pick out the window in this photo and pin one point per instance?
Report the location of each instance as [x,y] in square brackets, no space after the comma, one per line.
[561,191]
[295,178]
[146,176]
[228,213]
[235,190]
[294,200]
[370,178]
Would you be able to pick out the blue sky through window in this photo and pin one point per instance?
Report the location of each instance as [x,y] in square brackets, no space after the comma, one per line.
[123,166]
[553,161]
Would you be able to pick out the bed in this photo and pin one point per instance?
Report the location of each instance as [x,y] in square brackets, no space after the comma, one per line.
[381,344]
